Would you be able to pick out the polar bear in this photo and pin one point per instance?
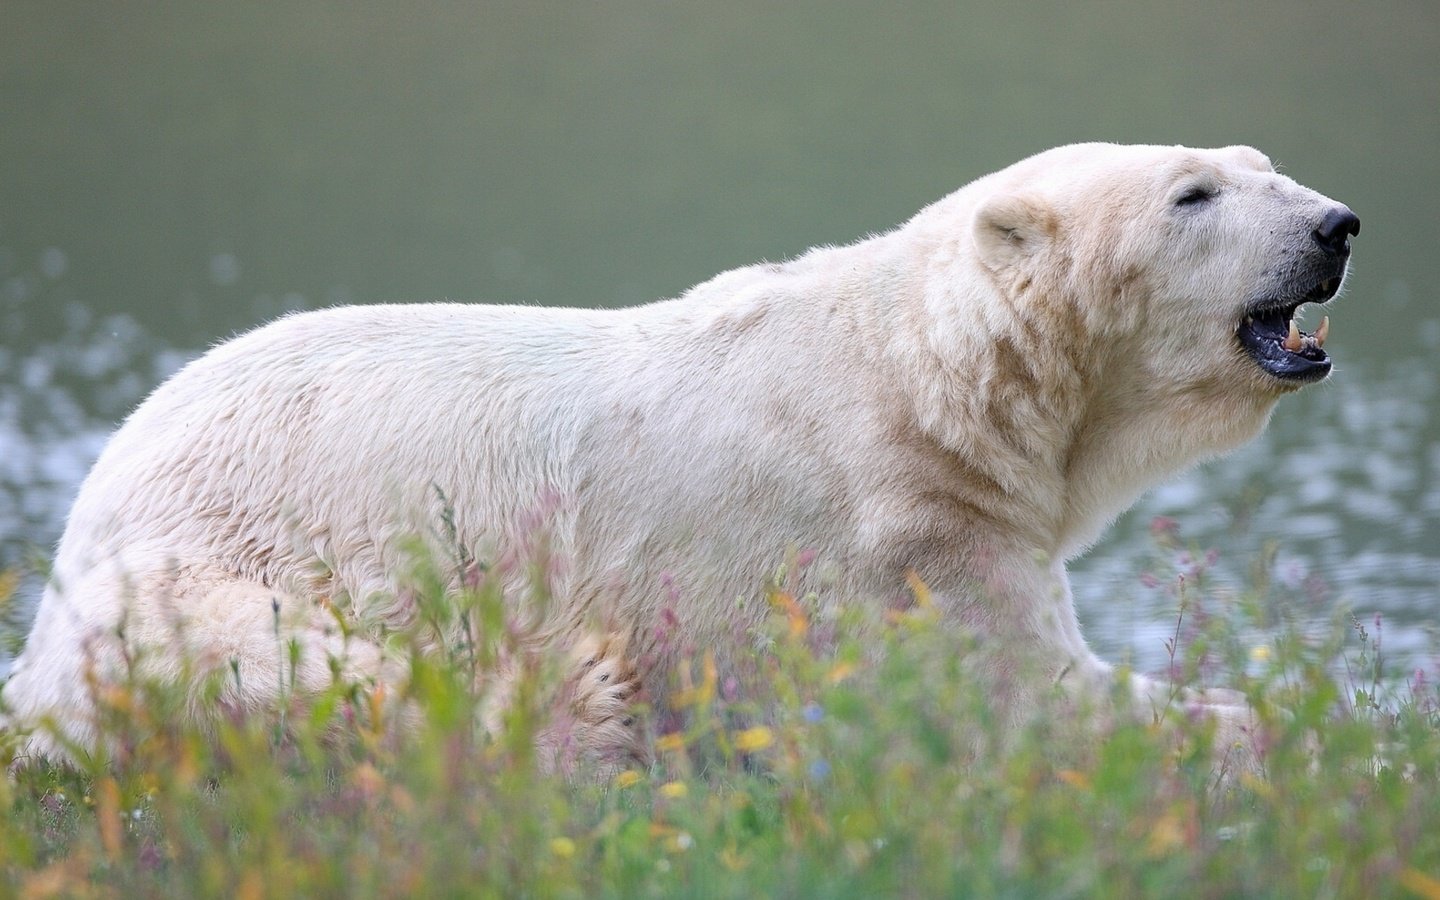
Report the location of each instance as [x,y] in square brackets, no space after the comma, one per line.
[968,399]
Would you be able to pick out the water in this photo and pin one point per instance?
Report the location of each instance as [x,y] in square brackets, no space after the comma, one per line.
[174,173]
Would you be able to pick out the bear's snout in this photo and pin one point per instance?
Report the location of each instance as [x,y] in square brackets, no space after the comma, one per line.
[1334,231]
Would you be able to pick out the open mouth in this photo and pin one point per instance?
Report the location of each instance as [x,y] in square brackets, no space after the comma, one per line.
[1269,333]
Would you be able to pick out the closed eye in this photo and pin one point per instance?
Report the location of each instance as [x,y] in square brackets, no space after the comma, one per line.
[1195,196]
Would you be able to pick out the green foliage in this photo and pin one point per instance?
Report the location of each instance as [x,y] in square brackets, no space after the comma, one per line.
[858,758]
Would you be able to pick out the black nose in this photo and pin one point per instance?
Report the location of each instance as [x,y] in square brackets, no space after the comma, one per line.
[1335,229]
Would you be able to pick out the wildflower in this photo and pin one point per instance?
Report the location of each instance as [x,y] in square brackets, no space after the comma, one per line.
[812,713]
[673,742]
[819,770]
[674,790]
[368,780]
[690,695]
[732,859]
[151,857]
[107,815]
[1257,784]
[840,672]
[117,698]
[9,582]
[752,739]
[1418,882]
[627,778]
[1260,653]
[562,847]
[1166,834]
[920,589]
[794,613]
[730,689]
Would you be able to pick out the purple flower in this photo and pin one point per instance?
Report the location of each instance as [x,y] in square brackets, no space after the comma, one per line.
[730,689]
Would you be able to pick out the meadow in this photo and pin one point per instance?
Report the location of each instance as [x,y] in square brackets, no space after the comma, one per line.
[854,757]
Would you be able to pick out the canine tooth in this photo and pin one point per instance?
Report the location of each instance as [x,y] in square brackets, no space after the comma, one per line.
[1292,340]
[1322,332]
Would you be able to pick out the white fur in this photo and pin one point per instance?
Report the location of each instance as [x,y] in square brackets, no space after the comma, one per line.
[973,396]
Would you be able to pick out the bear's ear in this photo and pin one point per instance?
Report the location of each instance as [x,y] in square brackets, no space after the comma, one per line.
[1012,227]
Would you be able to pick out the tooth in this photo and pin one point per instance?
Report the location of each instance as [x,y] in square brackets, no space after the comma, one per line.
[1322,332]
[1292,340]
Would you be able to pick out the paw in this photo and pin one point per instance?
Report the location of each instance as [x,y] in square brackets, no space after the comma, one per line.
[1219,697]
[605,681]
[1238,740]
[598,722]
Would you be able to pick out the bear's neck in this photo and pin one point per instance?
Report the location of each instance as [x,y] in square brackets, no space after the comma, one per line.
[1060,435]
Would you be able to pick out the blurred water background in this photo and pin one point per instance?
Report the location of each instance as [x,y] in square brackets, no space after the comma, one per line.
[174,172]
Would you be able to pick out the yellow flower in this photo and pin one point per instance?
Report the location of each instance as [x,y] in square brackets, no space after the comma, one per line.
[9,582]
[1421,884]
[673,742]
[562,847]
[794,612]
[690,695]
[1260,653]
[628,778]
[751,739]
[108,814]
[117,698]
[674,790]
[1166,834]
[923,598]
[1257,784]
[732,859]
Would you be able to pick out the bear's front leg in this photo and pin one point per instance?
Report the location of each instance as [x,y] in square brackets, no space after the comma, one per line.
[1025,623]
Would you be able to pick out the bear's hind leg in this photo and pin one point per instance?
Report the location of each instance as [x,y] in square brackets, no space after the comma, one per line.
[183,627]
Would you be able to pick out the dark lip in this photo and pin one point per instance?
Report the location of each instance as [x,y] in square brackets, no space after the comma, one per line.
[1267,322]
[1322,293]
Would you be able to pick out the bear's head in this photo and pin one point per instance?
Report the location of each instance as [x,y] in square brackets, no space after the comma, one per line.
[1166,281]
[1208,253]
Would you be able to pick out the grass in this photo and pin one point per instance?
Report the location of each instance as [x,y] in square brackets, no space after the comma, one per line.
[838,768]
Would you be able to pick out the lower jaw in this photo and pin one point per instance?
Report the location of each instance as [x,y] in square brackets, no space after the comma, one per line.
[1293,369]
[1298,379]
